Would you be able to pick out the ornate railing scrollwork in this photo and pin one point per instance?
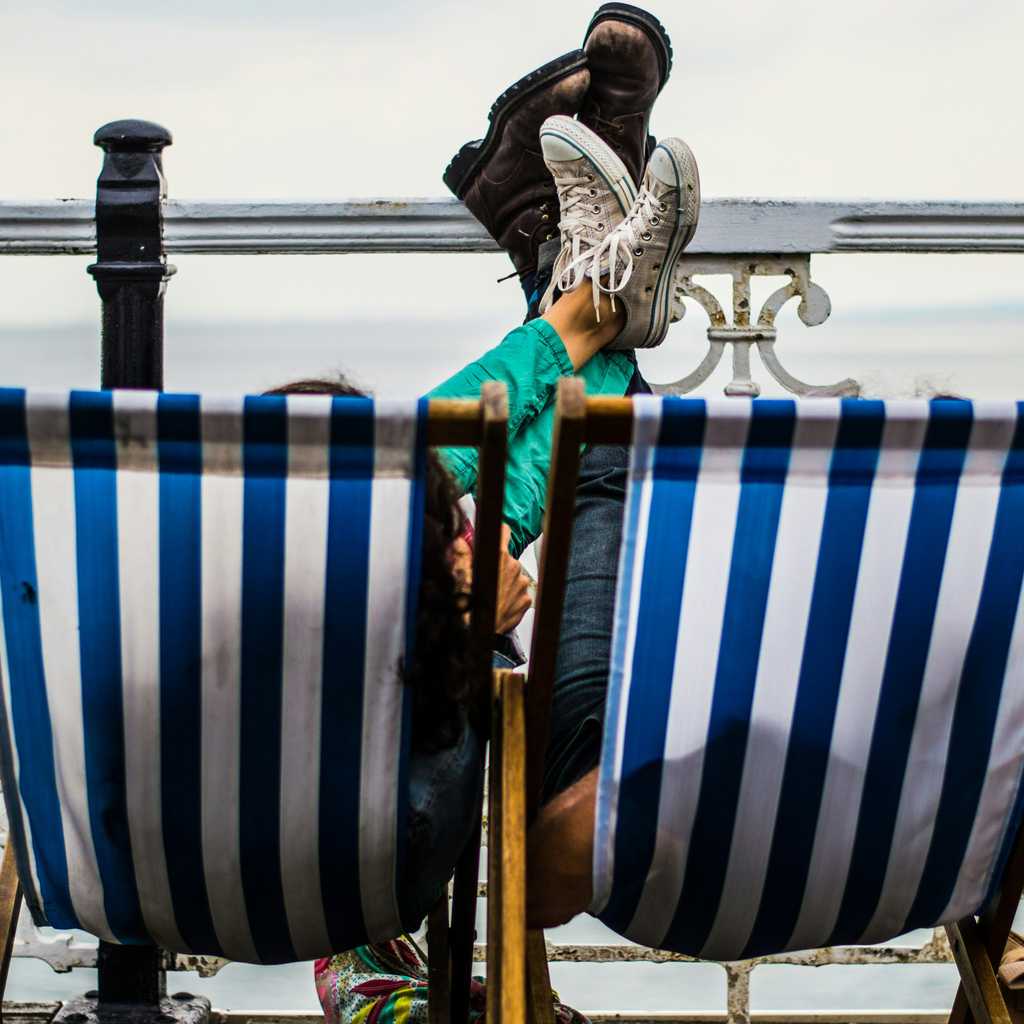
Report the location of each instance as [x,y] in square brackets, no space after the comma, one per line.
[741,334]
[63,951]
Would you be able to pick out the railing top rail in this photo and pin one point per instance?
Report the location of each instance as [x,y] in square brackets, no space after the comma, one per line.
[729,225]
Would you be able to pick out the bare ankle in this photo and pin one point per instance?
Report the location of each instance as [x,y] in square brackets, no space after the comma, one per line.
[583,329]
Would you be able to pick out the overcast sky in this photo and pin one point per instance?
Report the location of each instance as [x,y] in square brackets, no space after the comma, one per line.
[308,98]
[331,99]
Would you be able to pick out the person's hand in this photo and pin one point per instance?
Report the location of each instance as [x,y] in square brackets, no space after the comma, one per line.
[514,598]
[461,557]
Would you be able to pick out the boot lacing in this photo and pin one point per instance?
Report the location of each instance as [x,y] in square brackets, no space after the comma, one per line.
[627,241]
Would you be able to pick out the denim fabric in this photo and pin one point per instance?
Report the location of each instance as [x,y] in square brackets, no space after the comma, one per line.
[534,286]
[442,810]
[584,652]
[637,384]
[442,814]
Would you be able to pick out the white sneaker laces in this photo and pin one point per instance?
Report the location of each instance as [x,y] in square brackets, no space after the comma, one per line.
[626,241]
[580,215]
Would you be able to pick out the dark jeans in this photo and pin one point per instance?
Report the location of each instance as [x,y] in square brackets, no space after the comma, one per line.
[584,651]
[585,646]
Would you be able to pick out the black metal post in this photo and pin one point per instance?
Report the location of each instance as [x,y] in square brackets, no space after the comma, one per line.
[131,273]
[131,270]
[131,975]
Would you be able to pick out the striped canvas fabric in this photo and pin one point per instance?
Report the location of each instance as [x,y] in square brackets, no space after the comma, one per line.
[205,604]
[815,732]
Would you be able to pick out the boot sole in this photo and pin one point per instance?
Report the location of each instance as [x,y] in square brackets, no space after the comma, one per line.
[643,20]
[466,164]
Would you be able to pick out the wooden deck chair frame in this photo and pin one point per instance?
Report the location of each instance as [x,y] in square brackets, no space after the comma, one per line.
[977,943]
[484,425]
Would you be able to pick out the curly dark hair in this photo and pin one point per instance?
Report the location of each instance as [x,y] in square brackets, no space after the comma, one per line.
[441,672]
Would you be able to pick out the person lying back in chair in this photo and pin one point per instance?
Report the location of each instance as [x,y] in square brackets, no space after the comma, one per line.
[597,288]
[594,217]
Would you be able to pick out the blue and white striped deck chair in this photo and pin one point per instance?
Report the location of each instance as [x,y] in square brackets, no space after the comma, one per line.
[815,722]
[205,607]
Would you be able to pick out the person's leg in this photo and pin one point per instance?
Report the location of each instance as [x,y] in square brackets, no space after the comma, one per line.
[584,647]
[560,844]
[561,840]
[546,186]
[633,261]
[534,285]
[531,360]
[511,192]
[560,855]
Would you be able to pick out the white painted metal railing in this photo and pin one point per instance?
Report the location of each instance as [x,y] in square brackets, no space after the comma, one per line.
[737,238]
[728,226]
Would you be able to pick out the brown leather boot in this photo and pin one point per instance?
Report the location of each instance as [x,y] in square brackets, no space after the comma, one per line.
[630,58]
[502,178]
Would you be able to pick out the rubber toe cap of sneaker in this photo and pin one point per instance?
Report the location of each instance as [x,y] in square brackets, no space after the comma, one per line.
[555,147]
[664,166]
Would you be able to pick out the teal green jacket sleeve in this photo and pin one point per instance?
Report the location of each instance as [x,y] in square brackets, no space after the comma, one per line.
[530,361]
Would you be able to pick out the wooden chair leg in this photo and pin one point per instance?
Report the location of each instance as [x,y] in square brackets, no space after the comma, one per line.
[506,855]
[978,979]
[463,927]
[993,927]
[542,1004]
[439,964]
[559,515]
[495,904]
[10,907]
[566,445]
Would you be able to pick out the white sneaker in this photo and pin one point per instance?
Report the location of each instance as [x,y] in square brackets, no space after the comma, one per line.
[595,192]
[635,264]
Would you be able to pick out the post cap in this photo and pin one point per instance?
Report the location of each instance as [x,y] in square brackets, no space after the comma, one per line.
[132,136]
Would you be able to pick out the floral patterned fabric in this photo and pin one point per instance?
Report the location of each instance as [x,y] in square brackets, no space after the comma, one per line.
[387,984]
